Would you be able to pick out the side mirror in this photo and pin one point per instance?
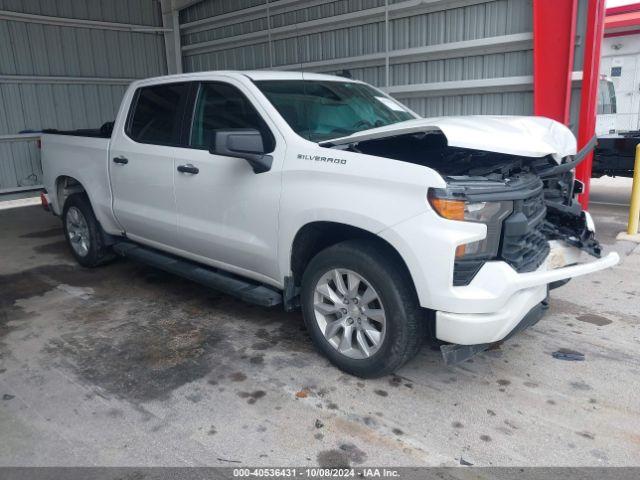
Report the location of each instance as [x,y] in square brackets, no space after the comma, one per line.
[242,143]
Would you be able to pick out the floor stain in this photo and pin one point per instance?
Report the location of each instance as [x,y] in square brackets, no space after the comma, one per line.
[143,361]
[594,319]
[160,335]
[568,355]
[238,377]
[22,285]
[252,397]
[580,385]
[333,459]
[342,457]
[52,232]
[59,248]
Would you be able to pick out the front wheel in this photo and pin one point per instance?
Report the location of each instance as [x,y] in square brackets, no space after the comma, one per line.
[82,231]
[361,309]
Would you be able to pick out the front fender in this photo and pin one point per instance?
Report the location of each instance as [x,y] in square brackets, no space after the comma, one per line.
[363,191]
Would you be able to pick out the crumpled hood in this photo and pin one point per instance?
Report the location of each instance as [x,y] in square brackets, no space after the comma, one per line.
[513,135]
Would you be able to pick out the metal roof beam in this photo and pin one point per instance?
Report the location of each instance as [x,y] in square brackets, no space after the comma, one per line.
[522,83]
[313,26]
[65,80]
[78,22]
[246,15]
[483,46]
[377,14]
[462,87]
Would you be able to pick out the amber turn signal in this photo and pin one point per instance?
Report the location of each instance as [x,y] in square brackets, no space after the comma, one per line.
[451,209]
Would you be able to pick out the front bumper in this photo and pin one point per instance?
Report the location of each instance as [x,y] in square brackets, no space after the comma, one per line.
[454,354]
[497,298]
[522,293]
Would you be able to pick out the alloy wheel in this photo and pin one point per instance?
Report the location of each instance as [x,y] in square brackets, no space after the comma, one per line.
[349,313]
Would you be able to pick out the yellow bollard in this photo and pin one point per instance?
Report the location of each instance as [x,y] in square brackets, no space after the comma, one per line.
[634,209]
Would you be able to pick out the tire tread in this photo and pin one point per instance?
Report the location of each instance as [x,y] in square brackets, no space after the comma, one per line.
[415,322]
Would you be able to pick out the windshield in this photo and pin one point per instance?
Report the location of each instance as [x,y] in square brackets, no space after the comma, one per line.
[319,110]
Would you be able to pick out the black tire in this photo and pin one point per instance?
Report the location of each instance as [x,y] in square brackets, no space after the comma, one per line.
[406,322]
[97,253]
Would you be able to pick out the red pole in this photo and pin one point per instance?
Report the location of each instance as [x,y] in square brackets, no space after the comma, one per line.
[589,93]
[554,26]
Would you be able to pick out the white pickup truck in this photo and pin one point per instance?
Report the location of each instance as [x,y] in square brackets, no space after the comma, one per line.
[324,193]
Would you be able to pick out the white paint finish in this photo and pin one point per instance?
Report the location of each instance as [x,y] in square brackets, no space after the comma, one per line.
[475,328]
[227,213]
[524,136]
[529,289]
[427,244]
[143,192]
[86,160]
[229,217]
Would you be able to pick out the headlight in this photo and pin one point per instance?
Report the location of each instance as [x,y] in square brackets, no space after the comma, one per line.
[491,214]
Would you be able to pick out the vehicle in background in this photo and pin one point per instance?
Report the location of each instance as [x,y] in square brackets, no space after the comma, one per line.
[614,154]
[607,107]
[323,193]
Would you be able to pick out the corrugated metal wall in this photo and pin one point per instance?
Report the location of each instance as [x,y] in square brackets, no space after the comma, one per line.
[68,77]
[438,57]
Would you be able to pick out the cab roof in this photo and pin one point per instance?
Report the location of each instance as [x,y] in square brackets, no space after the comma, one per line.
[256,75]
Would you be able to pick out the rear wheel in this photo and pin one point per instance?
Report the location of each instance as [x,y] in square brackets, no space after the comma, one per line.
[361,309]
[83,233]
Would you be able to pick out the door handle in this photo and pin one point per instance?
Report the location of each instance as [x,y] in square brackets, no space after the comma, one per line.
[121,160]
[188,168]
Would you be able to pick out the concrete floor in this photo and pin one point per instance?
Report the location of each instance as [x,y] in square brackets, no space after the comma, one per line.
[125,365]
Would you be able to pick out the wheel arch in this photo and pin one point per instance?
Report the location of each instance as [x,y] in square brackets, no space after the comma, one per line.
[316,236]
[65,187]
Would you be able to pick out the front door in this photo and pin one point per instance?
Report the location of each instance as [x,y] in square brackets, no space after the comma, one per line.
[141,164]
[227,214]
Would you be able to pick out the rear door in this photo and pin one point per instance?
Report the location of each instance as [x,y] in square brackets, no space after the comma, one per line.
[141,163]
[227,214]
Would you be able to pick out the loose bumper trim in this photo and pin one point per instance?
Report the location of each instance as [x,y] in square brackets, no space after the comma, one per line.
[512,295]
[454,354]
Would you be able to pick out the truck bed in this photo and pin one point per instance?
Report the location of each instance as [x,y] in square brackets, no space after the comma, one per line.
[85,159]
[103,132]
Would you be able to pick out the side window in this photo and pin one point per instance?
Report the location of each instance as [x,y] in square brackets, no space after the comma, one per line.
[221,106]
[157,118]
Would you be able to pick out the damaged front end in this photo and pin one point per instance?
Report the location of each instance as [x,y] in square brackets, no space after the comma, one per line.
[524,201]
[515,175]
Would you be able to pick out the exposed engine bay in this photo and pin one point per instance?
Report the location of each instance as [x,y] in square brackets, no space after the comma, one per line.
[536,195]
